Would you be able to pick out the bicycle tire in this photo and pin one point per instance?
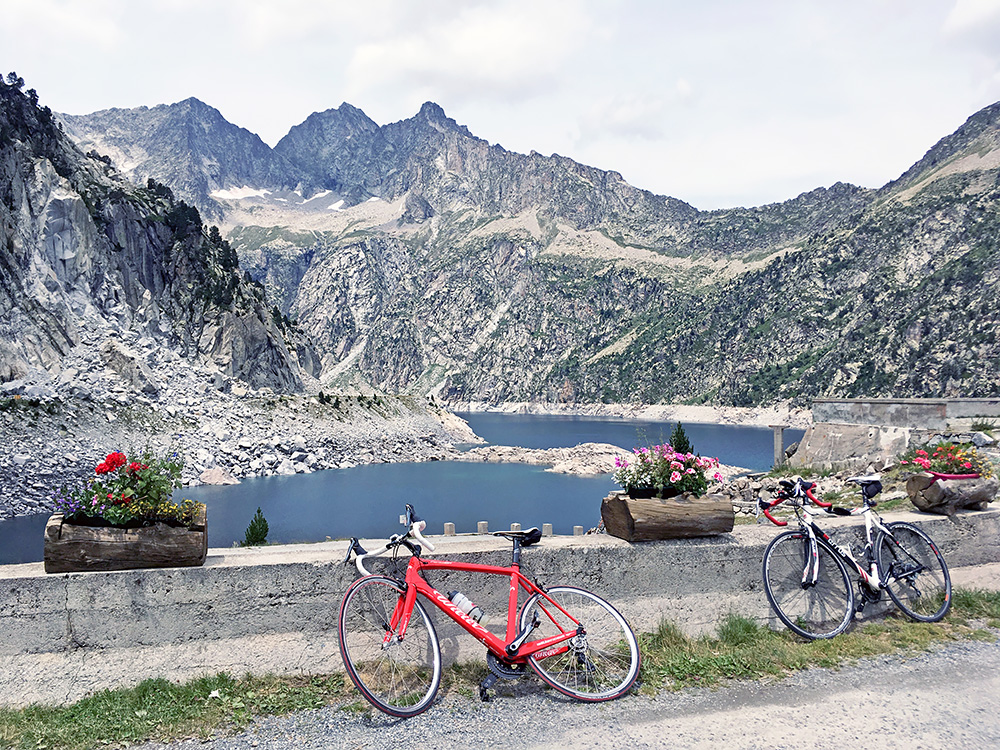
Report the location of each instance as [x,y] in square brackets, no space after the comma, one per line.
[916,575]
[822,610]
[400,679]
[600,665]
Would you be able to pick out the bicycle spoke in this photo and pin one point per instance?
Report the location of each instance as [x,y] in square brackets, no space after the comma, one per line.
[914,572]
[820,609]
[599,664]
[399,677]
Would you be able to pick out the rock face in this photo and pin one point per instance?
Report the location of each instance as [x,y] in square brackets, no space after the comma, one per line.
[432,261]
[85,256]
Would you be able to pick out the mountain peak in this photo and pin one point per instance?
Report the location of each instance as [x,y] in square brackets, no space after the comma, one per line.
[434,115]
[432,111]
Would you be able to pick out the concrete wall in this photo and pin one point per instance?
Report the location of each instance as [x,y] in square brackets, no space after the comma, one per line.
[275,609]
[920,413]
[856,434]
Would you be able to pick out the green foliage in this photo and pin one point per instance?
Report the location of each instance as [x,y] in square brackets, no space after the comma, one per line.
[159,189]
[159,709]
[984,425]
[28,405]
[182,218]
[679,440]
[743,648]
[256,533]
[132,491]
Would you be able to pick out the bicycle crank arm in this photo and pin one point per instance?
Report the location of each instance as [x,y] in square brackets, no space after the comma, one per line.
[522,637]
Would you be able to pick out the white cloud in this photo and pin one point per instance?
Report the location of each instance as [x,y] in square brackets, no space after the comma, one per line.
[712,103]
[509,51]
[972,15]
[97,21]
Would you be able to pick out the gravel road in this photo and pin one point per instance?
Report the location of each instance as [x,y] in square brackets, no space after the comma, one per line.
[949,698]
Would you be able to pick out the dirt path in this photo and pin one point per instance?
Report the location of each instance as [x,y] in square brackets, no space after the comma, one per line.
[945,700]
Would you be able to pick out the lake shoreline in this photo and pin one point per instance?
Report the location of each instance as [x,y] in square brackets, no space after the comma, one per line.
[758,416]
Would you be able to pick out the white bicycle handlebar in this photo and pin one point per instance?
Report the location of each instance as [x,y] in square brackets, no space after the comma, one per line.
[415,529]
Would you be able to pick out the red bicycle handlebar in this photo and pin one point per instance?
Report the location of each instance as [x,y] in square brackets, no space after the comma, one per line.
[812,497]
[771,505]
[781,498]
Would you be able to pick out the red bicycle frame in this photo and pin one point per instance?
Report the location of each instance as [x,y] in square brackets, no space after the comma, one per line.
[415,583]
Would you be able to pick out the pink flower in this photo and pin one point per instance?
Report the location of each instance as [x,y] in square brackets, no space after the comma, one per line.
[675,477]
[689,470]
[717,477]
[676,465]
[967,465]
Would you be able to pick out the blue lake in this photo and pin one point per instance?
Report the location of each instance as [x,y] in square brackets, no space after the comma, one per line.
[366,501]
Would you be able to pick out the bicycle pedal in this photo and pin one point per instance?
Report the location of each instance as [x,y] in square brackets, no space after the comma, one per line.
[489,681]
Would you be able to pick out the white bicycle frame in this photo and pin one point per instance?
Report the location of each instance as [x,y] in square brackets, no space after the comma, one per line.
[871,578]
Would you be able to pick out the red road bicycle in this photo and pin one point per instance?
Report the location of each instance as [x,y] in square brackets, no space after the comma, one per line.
[572,639]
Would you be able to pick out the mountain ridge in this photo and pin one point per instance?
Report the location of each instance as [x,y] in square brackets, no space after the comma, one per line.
[85,254]
[443,264]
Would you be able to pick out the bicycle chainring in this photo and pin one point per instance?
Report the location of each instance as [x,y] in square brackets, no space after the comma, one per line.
[505,670]
[868,594]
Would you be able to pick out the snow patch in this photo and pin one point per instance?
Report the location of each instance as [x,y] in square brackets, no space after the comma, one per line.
[319,195]
[338,206]
[239,193]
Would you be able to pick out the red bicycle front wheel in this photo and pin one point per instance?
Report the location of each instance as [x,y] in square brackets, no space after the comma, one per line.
[397,676]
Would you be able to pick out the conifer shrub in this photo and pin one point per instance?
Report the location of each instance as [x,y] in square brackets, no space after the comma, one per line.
[256,533]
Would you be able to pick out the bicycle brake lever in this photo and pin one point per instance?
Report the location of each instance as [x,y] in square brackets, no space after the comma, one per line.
[355,548]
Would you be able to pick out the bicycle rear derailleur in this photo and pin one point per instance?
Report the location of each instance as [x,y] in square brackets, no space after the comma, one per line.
[499,670]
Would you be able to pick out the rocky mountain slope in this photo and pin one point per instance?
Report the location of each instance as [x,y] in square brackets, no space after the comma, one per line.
[125,322]
[84,254]
[431,261]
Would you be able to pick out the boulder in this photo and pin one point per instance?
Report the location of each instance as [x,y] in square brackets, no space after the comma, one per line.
[217,475]
[130,368]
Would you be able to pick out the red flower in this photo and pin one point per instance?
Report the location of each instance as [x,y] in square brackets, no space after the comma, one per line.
[112,462]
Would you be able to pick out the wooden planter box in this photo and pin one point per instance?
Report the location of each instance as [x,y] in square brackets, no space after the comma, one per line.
[645,520]
[71,547]
[935,494]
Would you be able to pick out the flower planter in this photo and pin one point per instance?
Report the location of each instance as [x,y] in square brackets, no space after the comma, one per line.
[946,494]
[688,515]
[642,492]
[73,547]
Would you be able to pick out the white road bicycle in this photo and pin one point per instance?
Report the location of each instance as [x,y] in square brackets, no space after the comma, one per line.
[807,576]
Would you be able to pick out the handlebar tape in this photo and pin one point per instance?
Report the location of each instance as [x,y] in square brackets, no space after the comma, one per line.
[812,497]
[771,518]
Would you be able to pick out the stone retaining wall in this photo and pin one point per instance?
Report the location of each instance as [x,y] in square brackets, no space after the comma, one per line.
[274,609]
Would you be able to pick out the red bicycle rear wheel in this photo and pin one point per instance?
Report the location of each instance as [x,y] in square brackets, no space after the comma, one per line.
[599,664]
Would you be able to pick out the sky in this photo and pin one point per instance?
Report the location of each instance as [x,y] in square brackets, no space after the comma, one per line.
[718,103]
